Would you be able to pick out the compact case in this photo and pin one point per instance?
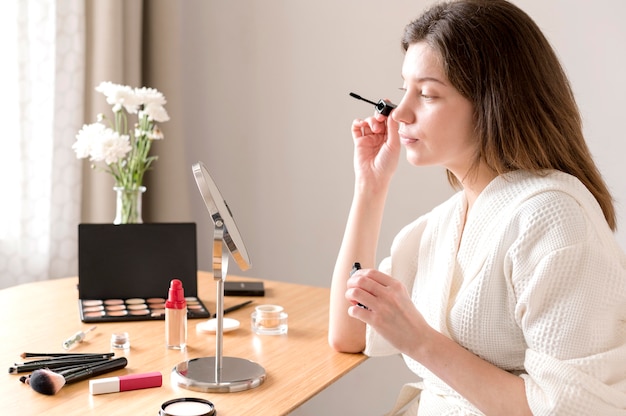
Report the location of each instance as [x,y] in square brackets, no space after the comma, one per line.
[124,271]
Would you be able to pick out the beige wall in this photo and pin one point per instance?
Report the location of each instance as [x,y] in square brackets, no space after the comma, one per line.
[263,101]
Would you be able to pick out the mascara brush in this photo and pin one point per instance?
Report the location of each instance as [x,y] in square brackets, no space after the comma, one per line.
[383,107]
[48,382]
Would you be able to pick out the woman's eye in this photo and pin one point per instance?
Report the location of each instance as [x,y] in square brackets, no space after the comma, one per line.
[422,94]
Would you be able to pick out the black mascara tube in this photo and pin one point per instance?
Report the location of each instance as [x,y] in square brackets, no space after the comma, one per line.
[357,266]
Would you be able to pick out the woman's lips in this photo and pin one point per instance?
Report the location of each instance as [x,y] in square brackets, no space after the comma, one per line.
[404,139]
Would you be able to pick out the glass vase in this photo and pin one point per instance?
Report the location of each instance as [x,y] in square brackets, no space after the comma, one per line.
[128,205]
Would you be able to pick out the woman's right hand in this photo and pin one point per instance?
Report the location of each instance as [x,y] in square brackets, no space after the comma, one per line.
[377,150]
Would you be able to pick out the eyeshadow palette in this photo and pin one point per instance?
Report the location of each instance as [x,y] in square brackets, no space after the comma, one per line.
[124,271]
[134,309]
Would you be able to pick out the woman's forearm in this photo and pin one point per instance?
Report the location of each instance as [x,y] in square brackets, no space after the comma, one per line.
[488,387]
[359,243]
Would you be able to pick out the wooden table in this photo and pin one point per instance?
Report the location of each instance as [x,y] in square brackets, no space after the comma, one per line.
[38,317]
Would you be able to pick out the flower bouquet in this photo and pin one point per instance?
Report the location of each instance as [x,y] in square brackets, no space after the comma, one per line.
[124,151]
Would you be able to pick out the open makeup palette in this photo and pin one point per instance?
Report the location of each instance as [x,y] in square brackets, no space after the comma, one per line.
[124,271]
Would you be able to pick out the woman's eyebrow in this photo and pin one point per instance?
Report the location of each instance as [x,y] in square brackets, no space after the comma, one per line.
[429,79]
[420,80]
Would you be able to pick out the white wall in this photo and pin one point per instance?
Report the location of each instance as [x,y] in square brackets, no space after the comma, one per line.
[266,107]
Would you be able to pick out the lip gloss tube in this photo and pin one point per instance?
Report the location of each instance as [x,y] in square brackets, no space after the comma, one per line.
[125,383]
[176,317]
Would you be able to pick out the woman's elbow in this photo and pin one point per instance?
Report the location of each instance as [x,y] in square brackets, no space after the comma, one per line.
[340,344]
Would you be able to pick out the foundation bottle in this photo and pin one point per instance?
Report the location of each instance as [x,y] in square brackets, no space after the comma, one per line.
[176,317]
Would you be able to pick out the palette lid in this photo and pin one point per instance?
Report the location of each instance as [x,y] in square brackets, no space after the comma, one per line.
[136,260]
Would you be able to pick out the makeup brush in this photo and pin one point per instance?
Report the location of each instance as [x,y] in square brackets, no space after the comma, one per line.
[64,354]
[64,368]
[64,371]
[69,369]
[73,367]
[67,358]
[45,381]
[48,382]
[54,363]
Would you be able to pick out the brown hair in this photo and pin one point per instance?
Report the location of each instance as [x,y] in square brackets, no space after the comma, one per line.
[525,113]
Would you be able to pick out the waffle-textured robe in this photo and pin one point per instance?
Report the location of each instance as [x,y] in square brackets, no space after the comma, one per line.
[536,286]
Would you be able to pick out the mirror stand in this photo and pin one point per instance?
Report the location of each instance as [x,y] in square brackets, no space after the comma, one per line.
[219,374]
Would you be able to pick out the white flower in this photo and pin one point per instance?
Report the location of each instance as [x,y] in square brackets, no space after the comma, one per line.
[153,102]
[124,150]
[100,143]
[156,112]
[111,147]
[89,134]
[120,95]
[150,96]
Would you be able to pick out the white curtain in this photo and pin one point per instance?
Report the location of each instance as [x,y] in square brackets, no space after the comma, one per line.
[42,109]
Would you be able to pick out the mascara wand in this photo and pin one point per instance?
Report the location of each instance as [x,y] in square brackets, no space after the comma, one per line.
[358,97]
[383,107]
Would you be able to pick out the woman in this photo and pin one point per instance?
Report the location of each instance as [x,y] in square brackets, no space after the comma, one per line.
[510,297]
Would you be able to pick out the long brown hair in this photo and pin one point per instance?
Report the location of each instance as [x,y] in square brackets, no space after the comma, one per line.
[525,113]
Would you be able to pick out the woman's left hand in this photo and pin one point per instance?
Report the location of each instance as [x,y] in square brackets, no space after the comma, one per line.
[388,309]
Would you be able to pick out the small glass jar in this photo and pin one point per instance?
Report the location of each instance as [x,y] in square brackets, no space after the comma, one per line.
[120,340]
[269,320]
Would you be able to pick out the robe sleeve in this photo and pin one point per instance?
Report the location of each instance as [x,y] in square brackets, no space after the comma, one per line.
[570,281]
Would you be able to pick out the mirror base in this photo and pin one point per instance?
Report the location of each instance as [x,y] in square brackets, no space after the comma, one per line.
[236,374]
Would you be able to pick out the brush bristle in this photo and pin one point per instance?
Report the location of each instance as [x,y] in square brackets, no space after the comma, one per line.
[46,382]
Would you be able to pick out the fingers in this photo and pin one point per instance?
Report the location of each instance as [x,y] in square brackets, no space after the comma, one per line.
[365,285]
[371,125]
[358,128]
[362,276]
[392,131]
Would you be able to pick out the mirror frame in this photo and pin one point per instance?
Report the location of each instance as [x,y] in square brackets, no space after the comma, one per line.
[221,214]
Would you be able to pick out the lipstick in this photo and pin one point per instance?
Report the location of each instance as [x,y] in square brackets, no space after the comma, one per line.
[125,383]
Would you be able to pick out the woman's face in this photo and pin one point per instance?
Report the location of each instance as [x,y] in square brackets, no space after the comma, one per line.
[436,124]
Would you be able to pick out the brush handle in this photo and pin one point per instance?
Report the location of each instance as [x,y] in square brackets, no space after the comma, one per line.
[73,358]
[96,370]
[74,368]
[55,363]
[65,354]
[67,371]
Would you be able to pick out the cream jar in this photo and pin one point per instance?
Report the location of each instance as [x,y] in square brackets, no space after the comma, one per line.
[187,406]
[269,320]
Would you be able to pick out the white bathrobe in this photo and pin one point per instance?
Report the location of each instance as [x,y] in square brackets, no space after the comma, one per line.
[536,286]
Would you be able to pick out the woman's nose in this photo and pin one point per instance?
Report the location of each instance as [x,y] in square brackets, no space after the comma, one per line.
[402,113]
